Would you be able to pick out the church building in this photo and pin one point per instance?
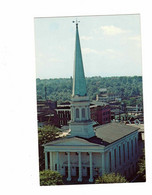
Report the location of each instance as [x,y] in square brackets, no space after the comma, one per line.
[88,152]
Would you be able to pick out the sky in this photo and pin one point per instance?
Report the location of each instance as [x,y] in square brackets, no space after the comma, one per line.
[110,45]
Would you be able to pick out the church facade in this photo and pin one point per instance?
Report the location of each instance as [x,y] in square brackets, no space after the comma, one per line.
[88,152]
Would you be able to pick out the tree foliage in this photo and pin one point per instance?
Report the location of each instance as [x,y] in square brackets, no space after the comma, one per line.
[60,89]
[49,177]
[142,168]
[111,178]
[45,134]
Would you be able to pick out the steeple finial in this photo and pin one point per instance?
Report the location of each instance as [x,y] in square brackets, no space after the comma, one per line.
[76,21]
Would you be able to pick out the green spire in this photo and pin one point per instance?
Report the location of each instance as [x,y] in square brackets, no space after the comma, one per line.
[79,83]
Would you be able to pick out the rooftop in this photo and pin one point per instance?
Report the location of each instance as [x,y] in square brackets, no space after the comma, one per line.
[105,135]
[112,132]
[99,103]
[140,126]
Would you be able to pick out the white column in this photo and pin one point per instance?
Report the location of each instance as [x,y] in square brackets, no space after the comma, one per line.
[80,113]
[46,161]
[137,146]
[103,163]
[73,108]
[127,151]
[112,160]
[51,161]
[69,168]
[91,175]
[107,162]
[130,151]
[135,154]
[86,113]
[57,161]
[71,113]
[122,154]
[133,148]
[80,168]
[117,156]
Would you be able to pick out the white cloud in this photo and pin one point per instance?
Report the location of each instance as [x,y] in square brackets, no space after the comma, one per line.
[88,51]
[86,38]
[135,38]
[54,60]
[107,52]
[112,30]
[110,51]
[61,48]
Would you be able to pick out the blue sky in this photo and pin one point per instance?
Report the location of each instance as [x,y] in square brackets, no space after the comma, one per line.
[111,46]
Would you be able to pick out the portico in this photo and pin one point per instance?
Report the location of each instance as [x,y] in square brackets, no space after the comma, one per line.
[75,162]
[79,157]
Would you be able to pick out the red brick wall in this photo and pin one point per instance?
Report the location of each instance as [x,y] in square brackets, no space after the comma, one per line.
[101,114]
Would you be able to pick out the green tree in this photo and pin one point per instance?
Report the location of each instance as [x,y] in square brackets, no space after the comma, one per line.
[142,168]
[49,177]
[61,89]
[46,134]
[111,178]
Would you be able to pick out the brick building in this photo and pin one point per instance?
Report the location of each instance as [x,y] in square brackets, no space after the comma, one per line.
[63,114]
[59,115]
[100,114]
[46,114]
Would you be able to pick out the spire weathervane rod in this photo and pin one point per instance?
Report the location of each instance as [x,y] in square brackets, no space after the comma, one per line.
[76,21]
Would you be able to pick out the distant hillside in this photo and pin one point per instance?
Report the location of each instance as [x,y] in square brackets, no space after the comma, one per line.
[60,89]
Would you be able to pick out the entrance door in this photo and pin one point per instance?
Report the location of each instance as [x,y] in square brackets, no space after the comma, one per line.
[77,171]
[88,171]
[66,171]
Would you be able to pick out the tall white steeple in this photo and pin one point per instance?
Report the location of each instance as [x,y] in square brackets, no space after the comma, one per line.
[80,124]
[79,83]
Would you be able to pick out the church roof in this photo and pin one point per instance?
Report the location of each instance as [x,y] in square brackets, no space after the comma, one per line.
[79,82]
[105,135]
[112,132]
[73,141]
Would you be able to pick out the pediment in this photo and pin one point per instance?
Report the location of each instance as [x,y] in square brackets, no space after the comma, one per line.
[74,141]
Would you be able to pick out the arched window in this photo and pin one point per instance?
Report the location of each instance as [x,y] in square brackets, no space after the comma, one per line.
[77,113]
[83,112]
